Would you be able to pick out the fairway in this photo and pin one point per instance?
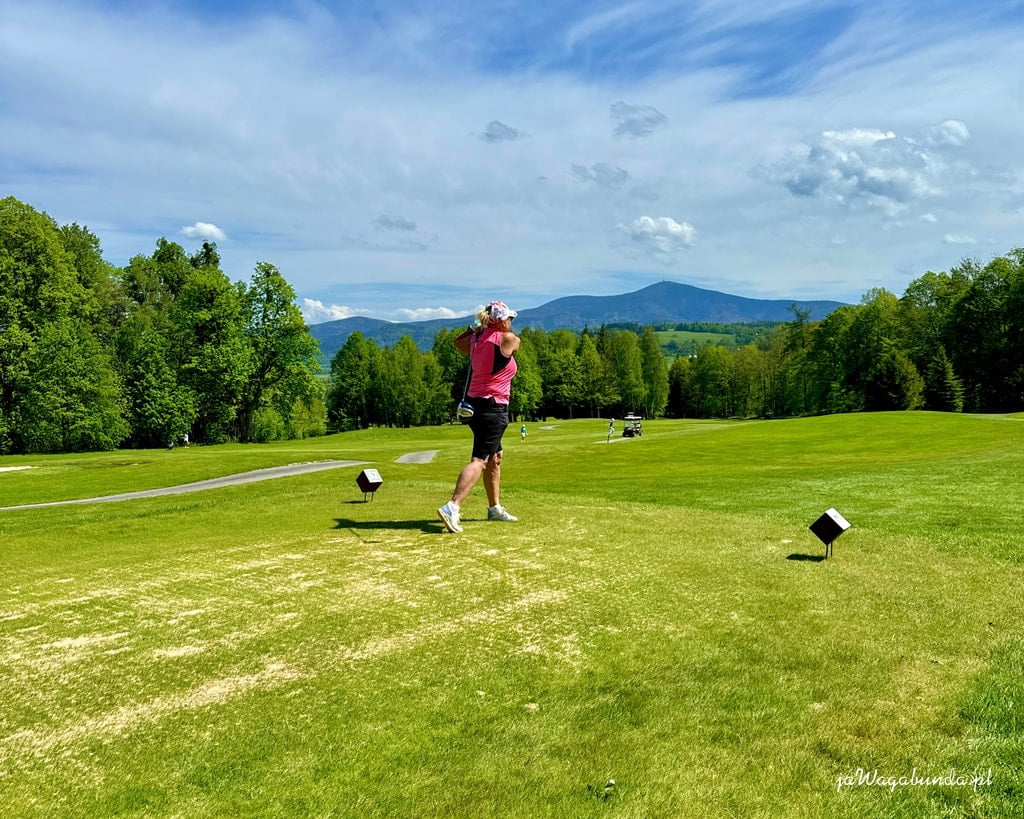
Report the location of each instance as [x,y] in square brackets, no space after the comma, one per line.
[656,636]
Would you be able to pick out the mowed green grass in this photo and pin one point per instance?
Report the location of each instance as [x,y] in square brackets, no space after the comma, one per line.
[657,617]
[682,337]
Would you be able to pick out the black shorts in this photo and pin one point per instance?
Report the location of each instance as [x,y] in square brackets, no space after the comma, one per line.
[488,424]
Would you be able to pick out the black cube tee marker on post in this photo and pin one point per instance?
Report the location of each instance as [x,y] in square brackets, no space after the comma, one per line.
[369,481]
[828,527]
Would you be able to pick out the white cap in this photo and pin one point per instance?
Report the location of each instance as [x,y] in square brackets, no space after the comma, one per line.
[499,311]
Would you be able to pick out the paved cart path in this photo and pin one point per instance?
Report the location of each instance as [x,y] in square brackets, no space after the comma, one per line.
[417,457]
[198,486]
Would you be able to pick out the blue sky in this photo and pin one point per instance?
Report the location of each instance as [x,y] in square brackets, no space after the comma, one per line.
[410,160]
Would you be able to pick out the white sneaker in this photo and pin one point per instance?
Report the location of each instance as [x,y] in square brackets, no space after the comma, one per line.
[449,514]
[499,513]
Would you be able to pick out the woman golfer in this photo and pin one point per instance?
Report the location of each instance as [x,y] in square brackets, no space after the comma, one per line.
[490,346]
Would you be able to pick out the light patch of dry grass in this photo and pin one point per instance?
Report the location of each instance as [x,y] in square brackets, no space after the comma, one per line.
[120,721]
[490,617]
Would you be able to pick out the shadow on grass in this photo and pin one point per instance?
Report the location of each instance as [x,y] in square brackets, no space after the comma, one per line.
[422,525]
[811,558]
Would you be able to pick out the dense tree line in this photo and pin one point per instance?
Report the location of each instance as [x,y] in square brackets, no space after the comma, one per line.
[561,373]
[95,357]
[954,341]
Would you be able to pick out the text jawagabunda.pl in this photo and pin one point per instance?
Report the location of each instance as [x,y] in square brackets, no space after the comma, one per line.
[914,780]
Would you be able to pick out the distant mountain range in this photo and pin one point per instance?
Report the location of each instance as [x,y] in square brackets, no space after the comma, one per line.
[664,301]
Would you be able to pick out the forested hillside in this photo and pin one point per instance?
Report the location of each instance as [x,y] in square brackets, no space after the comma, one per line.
[96,357]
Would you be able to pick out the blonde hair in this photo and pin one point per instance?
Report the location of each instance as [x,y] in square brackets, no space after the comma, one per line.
[484,320]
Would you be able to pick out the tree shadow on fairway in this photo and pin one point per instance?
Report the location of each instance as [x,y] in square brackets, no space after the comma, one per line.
[811,558]
[421,525]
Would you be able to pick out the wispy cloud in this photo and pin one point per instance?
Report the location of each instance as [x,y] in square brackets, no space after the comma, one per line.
[635,120]
[601,174]
[385,222]
[500,132]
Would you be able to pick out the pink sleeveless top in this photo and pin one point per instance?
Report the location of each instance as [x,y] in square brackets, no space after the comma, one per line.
[492,371]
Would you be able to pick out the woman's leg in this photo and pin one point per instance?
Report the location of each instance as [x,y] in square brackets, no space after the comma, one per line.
[492,479]
[468,477]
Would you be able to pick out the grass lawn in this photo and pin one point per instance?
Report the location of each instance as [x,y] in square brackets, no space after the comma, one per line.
[659,616]
[684,338]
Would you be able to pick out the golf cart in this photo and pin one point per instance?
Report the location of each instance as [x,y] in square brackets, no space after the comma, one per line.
[632,426]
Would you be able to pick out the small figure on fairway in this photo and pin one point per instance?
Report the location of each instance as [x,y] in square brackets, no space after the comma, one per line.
[490,345]
[611,429]
[522,432]
[184,439]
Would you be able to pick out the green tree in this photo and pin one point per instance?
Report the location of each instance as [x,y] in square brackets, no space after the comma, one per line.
[594,382]
[348,396]
[454,365]
[74,401]
[893,382]
[984,334]
[387,389]
[285,358]
[560,370]
[711,382]
[404,382]
[943,391]
[827,361]
[38,286]
[655,374]
[788,351]
[213,355]
[159,409]
[435,397]
[627,366]
[1014,344]
[747,365]
[680,394]
[527,389]
[103,303]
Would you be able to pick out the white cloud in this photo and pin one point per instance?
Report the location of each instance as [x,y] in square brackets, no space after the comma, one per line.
[928,218]
[204,231]
[857,138]
[952,132]
[661,236]
[316,312]
[959,239]
[864,165]
[427,313]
